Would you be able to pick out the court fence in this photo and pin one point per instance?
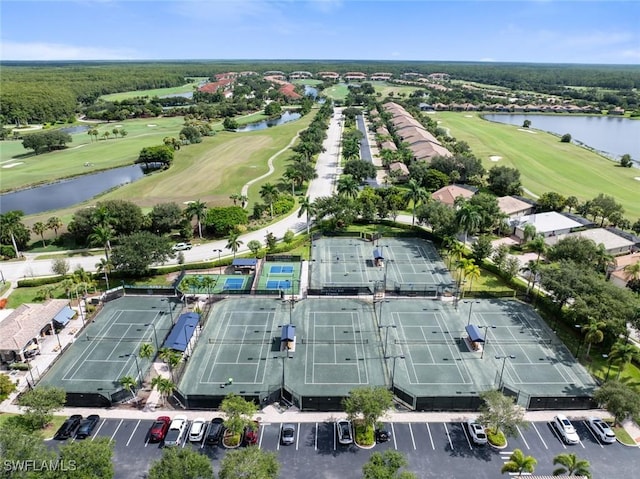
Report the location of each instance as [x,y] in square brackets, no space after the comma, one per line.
[283,258]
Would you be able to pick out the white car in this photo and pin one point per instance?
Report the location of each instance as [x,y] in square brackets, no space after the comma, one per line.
[175,434]
[181,246]
[602,430]
[345,434]
[198,427]
[477,432]
[565,429]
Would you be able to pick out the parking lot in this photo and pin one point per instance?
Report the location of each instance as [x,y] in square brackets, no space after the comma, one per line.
[433,449]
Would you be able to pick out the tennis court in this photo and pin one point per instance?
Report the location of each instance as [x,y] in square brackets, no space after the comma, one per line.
[406,265]
[280,276]
[214,283]
[108,348]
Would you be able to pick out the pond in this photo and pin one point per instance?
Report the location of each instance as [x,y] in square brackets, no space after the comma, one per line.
[286,117]
[611,136]
[72,130]
[65,193]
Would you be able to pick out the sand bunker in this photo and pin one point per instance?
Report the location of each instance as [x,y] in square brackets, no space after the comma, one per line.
[468,116]
[637,178]
[528,131]
[495,158]
[11,165]
[151,126]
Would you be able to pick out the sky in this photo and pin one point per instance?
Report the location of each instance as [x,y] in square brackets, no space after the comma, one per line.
[540,31]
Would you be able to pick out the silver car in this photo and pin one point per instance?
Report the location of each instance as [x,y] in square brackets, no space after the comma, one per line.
[602,430]
[287,434]
[345,435]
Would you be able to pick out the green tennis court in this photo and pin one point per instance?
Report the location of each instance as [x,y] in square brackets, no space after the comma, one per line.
[214,283]
[108,347]
[280,276]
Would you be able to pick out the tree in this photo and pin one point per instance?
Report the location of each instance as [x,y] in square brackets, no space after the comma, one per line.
[386,465]
[269,193]
[468,219]
[504,181]
[500,414]
[92,459]
[519,463]
[234,242]
[60,266]
[102,236]
[181,462]
[254,246]
[624,352]
[307,208]
[482,248]
[16,445]
[135,253]
[165,217]
[348,186]
[416,194]
[472,272]
[620,399]
[272,109]
[550,201]
[39,228]
[239,413]
[626,161]
[196,208]
[12,229]
[39,405]
[46,141]
[526,124]
[270,240]
[593,333]
[571,202]
[146,351]
[633,270]
[360,170]
[249,463]
[7,386]
[54,223]
[129,383]
[155,154]
[164,386]
[566,138]
[371,403]
[571,465]
[230,124]
[220,221]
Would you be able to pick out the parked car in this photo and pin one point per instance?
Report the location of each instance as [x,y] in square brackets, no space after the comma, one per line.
[287,434]
[181,246]
[345,436]
[565,429]
[87,426]
[196,432]
[251,433]
[602,430]
[214,431]
[382,435]
[159,429]
[176,431]
[477,432]
[68,428]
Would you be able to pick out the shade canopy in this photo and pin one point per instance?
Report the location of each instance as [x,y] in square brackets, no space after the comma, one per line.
[63,317]
[474,333]
[182,331]
[288,332]
[377,254]
[244,262]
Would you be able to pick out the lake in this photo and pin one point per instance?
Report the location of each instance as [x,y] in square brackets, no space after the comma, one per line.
[609,135]
[286,117]
[65,193]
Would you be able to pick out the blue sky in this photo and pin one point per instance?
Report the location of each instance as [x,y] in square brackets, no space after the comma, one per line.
[555,31]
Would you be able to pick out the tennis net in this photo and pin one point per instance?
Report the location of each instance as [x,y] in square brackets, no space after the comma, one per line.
[334,341]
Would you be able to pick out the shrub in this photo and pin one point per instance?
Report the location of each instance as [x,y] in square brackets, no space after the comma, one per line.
[364,433]
[33,282]
[19,366]
[496,438]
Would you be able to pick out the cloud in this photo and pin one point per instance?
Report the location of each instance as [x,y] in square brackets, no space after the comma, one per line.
[35,51]
[630,53]
[325,6]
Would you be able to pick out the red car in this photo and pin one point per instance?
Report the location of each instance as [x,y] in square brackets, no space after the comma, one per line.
[251,433]
[159,429]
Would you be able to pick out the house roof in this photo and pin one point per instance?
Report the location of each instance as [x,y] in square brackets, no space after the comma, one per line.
[510,205]
[26,322]
[626,260]
[399,166]
[389,145]
[602,236]
[547,222]
[448,194]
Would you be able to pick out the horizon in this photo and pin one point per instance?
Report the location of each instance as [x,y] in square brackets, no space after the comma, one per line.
[554,32]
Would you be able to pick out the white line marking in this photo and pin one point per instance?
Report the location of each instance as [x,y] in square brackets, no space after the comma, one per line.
[279,438]
[522,436]
[99,427]
[538,432]
[413,441]
[298,436]
[466,435]
[316,438]
[433,446]
[134,431]
[557,435]
[261,434]
[393,431]
[448,436]
[114,432]
[335,433]
[591,432]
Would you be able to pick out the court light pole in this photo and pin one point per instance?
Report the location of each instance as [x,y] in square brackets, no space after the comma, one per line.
[486,334]
[187,340]
[139,378]
[580,344]
[168,309]
[393,368]
[606,378]
[504,360]
[155,334]
[386,336]
[471,303]
[219,251]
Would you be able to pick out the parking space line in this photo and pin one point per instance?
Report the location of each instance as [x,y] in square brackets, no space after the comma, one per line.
[466,435]
[261,434]
[557,435]
[413,441]
[100,427]
[540,436]
[279,438]
[522,437]
[433,446]
[334,436]
[592,434]
[448,436]
[114,432]
[393,432]
[316,438]
[298,436]
[580,441]
[134,431]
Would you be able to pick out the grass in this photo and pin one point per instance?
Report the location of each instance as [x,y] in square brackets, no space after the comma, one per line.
[189,87]
[546,164]
[309,82]
[387,88]
[623,436]
[336,92]
[45,433]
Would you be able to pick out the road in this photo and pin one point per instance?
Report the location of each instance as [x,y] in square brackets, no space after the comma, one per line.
[327,167]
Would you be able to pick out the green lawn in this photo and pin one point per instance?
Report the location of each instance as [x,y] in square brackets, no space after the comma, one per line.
[189,87]
[309,82]
[387,88]
[336,92]
[546,164]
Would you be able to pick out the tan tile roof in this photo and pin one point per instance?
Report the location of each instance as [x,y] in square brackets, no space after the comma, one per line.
[509,205]
[399,166]
[448,194]
[626,260]
[26,322]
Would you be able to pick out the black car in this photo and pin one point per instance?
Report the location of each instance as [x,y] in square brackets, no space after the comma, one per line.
[382,435]
[68,428]
[214,431]
[87,426]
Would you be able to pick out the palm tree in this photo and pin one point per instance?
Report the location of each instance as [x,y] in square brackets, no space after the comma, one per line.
[307,206]
[171,357]
[603,259]
[416,194]
[104,266]
[625,352]
[455,251]
[10,222]
[164,386]
[54,223]
[519,463]
[269,193]
[537,245]
[234,242]
[571,202]
[146,351]
[348,186]
[593,333]
[472,272]
[196,208]
[468,219]
[102,236]
[534,269]
[39,228]
[571,465]
[130,383]
[529,232]
[633,270]
[234,197]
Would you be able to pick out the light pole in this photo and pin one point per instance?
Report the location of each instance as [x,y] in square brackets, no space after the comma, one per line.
[187,340]
[471,303]
[580,344]
[219,251]
[486,334]
[393,368]
[168,309]
[155,334]
[504,360]
[139,377]
[606,356]
[386,335]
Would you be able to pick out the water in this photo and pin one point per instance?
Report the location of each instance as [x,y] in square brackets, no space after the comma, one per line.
[186,94]
[72,130]
[310,91]
[65,193]
[612,136]
[286,117]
